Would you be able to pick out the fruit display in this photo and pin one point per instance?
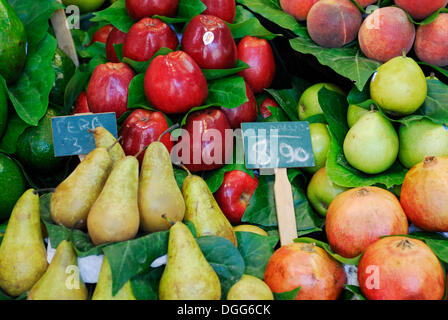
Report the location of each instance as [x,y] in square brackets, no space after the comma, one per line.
[167,207]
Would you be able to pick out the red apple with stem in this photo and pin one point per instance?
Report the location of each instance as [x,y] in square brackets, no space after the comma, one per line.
[247,112]
[81,105]
[146,37]
[204,146]
[224,9]
[138,9]
[108,88]
[115,37]
[257,53]
[102,34]
[209,41]
[175,84]
[141,128]
[235,193]
[268,102]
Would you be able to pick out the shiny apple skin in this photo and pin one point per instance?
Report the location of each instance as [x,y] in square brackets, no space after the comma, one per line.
[247,112]
[108,88]
[146,37]
[102,34]
[209,41]
[115,37]
[138,9]
[175,84]
[257,53]
[268,102]
[81,105]
[224,9]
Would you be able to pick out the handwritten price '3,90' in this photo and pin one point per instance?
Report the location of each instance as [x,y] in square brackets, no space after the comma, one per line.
[260,148]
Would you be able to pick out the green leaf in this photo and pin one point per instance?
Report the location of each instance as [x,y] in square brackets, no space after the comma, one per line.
[142,66]
[288,99]
[288,295]
[326,247]
[251,27]
[348,61]
[215,178]
[190,8]
[437,243]
[136,95]
[213,74]
[145,286]
[14,129]
[30,95]
[256,251]
[93,50]
[117,15]
[357,97]
[443,71]
[180,175]
[75,86]
[355,291]
[334,106]
[225,260]
[435,106]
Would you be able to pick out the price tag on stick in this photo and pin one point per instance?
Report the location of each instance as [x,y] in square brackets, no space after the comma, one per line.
[278,146]
[63,34]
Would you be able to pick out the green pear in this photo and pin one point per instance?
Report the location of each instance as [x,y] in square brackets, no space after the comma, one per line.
[158,192]
[371,145]
[354,113]
[187,275]
[321,191]
[103,289]
[203,210]
[399,86]
[320,140]
[114,216]
[23,258]
[309,101]
[105,139]
[250,288]
[61,281]
[420,139]
[73,198]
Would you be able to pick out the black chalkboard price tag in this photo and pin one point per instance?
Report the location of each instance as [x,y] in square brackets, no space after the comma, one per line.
[279,145]
[71,134]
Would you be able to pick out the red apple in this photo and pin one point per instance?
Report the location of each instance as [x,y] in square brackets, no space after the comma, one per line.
[141,128]
[81,105]
[174,83]
[235,193]
[247,112]
[115,37]
[102,34]
[209,41]
[108,88]
[268,102]
[257,53]
[146,37]
[204,141]
[138,9]
[224,9]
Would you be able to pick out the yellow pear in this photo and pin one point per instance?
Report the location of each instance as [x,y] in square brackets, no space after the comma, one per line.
[23,259]
[62,280]
[114,216]
[250,288]
[187,275]
[203,210]
[105,139]
[158,192]
[74,197]
[250,228]
[103,289]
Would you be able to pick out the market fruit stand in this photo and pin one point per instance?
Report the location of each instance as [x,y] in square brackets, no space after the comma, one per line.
[134,218]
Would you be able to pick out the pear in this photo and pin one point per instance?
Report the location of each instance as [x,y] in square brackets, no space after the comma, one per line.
[105,139]
[371,145]
[61,281]
[354,113]
[73,198]
[187,275]
[114,216]
[399,86]
[23,259]
[103,289]
[158,192]
[250,288]
[203,210]
[250,228]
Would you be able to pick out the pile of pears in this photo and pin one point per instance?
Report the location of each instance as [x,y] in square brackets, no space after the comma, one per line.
[110,196]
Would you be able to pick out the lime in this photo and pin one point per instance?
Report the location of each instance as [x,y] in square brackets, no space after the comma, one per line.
[35,147]
[12,185]
[64,69]
[3,110]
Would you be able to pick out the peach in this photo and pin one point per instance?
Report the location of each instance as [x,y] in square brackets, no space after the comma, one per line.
[431,44]
[297,8]
[333,23]
[420,9]
[366,3]
[386,33]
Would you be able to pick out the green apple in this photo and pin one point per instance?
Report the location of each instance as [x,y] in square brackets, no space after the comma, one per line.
[321,191]
[309,101]
[85,5]
[399,86]
[420,139]
[354,113]
[371,145]
[320,140]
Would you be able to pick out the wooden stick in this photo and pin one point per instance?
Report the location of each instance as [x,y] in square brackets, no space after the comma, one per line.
[63,34]
[284,203]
